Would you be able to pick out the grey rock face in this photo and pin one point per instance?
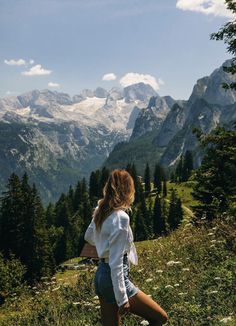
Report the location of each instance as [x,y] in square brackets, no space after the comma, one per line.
[139,91]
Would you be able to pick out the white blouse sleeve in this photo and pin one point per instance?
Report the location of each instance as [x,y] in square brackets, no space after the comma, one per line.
[89,234]
[117,243]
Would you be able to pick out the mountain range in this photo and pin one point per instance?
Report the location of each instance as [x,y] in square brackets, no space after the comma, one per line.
[58,139]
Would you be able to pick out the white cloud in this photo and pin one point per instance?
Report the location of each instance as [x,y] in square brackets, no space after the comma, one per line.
[134,78]
[13,62]
[36,70]
[31,61]
[53,85]
[207,7]
[109,77]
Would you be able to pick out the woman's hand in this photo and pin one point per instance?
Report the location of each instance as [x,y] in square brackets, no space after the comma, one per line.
[125,308]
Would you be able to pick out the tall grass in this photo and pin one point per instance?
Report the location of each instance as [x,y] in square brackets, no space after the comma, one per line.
[190,273]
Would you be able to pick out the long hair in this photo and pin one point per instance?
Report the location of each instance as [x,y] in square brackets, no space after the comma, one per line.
[118,193]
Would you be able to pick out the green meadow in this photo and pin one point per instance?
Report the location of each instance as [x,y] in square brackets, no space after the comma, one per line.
[191,274]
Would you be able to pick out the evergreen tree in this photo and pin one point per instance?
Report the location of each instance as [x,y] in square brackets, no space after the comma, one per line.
[164,187]
[179,169]
[131,168]
[175,214]
[140,230]
[94,185]
[77,196]
[215,185]
[158,218]
[11,220]
[187,165]
[158,177]
[147,179]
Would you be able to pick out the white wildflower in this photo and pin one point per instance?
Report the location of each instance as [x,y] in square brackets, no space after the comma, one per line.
[217,278]
[169,286]
[155,287]
[160,271]
[55,289]
[226,319]
[213,241]
[177,284]
[172,262]
[213,292]
[144,322]
[149,280]
[186,269]
[211,233]
[76,303]
[183,293]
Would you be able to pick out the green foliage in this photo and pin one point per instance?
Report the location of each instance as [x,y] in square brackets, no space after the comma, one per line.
[215,186]
[11,277]
[147,179]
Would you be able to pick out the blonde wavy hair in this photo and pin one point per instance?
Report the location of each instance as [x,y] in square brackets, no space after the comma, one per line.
[118,193]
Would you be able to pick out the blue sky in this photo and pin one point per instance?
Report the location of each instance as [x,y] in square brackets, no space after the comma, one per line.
[69,45]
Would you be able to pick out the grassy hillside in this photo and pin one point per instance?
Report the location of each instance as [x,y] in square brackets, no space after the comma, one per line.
[190,273]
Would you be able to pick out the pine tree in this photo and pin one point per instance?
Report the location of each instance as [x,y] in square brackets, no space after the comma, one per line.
[215,180]
[187,165]
[175,214]
[179,169]
[164,187]
[158,218]
[11,221]
[140,230]
[94,185]
[147,179]
[158,177]
[77,196]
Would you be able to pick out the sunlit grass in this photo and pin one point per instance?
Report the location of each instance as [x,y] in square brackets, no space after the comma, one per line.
[190,273]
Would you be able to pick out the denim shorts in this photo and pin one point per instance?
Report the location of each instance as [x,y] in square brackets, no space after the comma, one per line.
[103,282]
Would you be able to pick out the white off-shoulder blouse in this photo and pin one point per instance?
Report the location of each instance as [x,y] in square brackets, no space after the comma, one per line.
[114,240]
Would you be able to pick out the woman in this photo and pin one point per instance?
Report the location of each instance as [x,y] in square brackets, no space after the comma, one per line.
[111,233]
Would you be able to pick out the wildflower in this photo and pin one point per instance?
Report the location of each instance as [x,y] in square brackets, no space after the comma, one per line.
[213,241]
[226,319]
[169,286]
[217,278]
[149,280]
[186,269]
[76,303]
[160,271]
[55,289]
[172,262]
[144,322]
[140,270]
[149,295]
[211,233]
[213,292]
[183,293]
[177,284]
[95,298]
[88,304]
[155,287]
